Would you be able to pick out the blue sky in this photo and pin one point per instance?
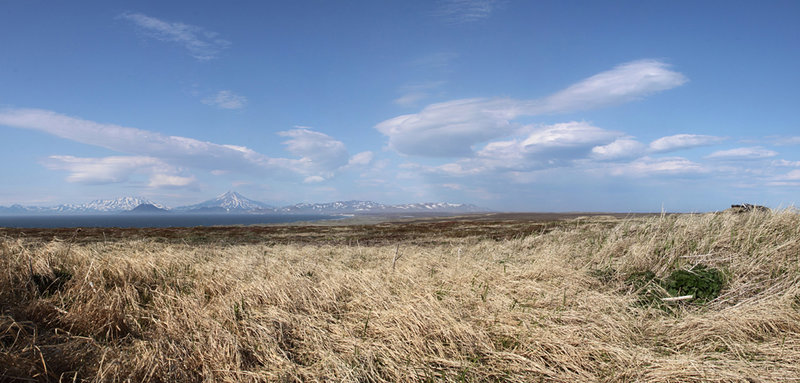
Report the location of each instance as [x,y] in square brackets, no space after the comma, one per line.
[511,105]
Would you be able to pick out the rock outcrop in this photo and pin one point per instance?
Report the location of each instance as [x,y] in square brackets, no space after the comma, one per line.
[746,208]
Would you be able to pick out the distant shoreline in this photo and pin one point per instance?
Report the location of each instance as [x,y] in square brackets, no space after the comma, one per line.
[159,220]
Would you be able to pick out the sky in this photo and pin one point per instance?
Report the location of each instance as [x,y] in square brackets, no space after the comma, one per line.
[625,106]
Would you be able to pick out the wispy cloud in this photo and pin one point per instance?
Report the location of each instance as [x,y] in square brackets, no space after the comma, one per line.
[748,153]
[793,175]
[226,99]
[466,11]
[106,170]
[624,83]
[153,153]
[410,98]
[450,129]
[619,149]
[201,44]
[313,180]
[629,147]
[649,167]
[784,140]
[683,141]
[414,93]
[437,60]
[785,163]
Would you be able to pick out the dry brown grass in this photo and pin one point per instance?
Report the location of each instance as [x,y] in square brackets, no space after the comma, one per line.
[554,306]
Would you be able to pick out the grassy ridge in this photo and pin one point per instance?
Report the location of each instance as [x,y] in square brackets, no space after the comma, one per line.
[568,304]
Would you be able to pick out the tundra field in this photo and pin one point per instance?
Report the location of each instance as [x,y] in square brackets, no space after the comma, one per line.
[673,298]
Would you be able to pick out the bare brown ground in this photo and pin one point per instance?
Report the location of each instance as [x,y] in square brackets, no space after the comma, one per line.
[363,230]
[444,300]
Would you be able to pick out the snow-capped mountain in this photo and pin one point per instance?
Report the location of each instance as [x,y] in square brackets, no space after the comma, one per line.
[232,202]
[94,207]
[369,207]
[440,207]
[115,205]
[335,207]
[228,202]
[15,209]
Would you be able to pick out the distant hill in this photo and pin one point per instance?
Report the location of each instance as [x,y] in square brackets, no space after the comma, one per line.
[147,208]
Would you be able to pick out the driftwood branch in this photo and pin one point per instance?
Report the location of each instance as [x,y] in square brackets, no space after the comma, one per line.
[677,299]
[397,256]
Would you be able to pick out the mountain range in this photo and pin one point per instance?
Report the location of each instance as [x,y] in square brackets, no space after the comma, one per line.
[233,202]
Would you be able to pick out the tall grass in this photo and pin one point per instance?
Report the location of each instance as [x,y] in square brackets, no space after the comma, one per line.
[558,306]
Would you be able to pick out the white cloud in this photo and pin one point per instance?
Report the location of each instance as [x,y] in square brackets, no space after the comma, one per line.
[201,44]
[226,99]
[450,129]
[320,154]
[466,11]
[748,153]
[100,170]
[567,135]
[548,146]
[790,179]
[104,170]
[647,166]
[361,159]
[115,169]
[624,83]
[318,151]
[313,179]
[683,141]
[785,163]
[620,148]
[793,175]
[171,181]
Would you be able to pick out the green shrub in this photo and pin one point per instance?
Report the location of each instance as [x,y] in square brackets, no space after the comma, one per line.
[704,283]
